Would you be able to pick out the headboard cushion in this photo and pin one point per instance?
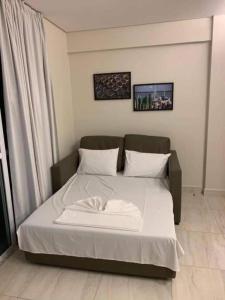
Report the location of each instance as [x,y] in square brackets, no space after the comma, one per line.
[147,144]
[103,143]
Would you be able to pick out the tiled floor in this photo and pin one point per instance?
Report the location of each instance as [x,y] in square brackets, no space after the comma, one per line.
[202,276]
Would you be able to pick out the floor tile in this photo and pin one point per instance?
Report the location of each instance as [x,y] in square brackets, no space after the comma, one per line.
[202,249]
[223,278]
[74,284]
[219,216]
[198,220]
[15,274]
[115,287]
[194,201]
[2,297]
[195,247]
[42,284]
[91,286]
[146,289]
[198,283]
[109,286]
[216,202]
[216,251]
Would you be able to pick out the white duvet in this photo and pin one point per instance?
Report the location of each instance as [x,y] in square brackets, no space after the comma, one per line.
[155,244]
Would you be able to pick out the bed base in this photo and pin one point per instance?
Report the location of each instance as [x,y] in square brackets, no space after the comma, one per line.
[102,265]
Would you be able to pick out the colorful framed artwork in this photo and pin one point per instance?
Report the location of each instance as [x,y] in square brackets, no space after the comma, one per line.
[153,96]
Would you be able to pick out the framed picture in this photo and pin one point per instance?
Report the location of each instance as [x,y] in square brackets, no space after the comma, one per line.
[112,86]
[153,96]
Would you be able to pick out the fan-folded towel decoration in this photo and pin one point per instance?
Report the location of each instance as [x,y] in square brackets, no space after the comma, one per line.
[94,212]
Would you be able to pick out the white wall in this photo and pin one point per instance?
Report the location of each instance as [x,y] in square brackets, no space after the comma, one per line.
[174,51]
[169,33]
[61,82]
[185,64]
[215,166]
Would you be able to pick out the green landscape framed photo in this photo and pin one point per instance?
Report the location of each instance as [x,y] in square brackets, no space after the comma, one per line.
[153,96]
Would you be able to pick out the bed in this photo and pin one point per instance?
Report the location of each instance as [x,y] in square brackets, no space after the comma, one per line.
[153,252]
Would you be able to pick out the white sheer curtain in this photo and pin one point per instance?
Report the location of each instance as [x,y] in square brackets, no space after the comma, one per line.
[29,106]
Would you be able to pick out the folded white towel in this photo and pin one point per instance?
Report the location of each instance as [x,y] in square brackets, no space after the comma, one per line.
[97,205]
[92,204]
[94,212]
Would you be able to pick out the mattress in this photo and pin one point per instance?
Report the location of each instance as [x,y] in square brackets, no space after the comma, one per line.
[156,244]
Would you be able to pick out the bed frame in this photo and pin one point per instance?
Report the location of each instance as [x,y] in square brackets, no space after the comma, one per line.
[101,265]
[64,169]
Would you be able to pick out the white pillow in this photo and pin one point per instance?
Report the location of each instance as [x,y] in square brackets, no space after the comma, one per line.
[139,164]
[99,162]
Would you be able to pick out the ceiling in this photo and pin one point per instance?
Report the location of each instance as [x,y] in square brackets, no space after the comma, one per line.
[74,15]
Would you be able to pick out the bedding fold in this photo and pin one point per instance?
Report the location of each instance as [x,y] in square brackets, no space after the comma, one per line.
[95,212]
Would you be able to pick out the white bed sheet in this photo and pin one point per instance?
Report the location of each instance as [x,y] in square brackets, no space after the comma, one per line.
[156,244]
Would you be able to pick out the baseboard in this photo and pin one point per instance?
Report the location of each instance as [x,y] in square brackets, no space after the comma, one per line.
[192,189]
[205,192]
[214,192]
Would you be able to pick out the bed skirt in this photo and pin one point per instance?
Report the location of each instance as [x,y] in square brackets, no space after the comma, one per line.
[102,265]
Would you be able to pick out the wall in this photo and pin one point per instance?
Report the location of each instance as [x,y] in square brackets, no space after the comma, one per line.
[189,31]
[215,163]
[185,52]
[60,75]
[175,51]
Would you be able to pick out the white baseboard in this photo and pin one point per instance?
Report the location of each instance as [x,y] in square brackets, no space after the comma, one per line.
[205,192]
[191,189]
[214,192]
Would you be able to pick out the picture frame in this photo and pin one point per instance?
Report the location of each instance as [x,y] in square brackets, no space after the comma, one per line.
[153,96]
[112,86]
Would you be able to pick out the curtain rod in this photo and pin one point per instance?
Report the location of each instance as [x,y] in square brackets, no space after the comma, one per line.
[38,11]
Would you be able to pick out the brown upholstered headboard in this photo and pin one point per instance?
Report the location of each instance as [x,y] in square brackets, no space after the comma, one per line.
[147,144]
[103,143]
[135,142]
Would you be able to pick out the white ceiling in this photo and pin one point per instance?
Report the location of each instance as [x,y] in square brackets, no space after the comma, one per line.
[74,15]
